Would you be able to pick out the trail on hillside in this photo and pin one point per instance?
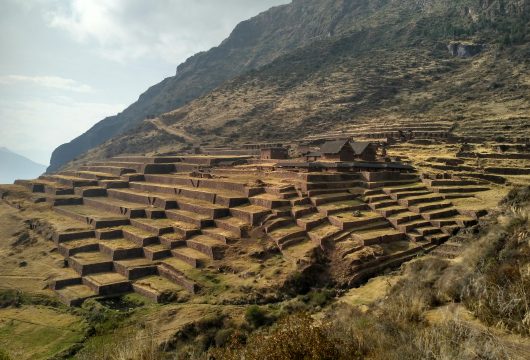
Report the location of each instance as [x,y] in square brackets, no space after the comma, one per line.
[180,133]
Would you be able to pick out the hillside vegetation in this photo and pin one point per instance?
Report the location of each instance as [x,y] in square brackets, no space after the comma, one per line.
[473,306]
[253,43]
[384,62]
[313,63]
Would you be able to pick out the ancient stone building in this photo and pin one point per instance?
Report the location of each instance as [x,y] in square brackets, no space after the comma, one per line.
[366,151]
[338,150]
[312,156]
[274,153]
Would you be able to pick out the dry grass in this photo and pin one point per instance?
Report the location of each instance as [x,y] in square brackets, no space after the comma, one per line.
[26,259]
[403,316]
[498,291]
[490,279]
[39,332]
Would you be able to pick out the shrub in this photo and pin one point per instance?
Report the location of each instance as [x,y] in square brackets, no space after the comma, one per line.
[494,283]
[517,197]
[255,316]
[298,283]
[10,298]
[294,337]
[223,336]
[318,297]
[214,320]
[502,301]
[4,355]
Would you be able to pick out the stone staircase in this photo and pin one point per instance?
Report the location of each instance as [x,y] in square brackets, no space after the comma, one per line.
[450,186]
[417,211]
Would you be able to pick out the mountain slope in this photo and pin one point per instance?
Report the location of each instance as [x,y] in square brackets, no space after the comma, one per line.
[253,43]
[391,65]
[14,166]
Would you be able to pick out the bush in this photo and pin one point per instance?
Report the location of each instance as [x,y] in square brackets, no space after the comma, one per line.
[456,340]
[10,298]
[223,336]
[318,297]
[4,355]
[294,337]
[351,334]
[517,197]
[256,316]
[502,301]
[202,334]
[210,321]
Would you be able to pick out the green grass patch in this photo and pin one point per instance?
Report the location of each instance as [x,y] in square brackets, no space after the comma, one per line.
[39,332]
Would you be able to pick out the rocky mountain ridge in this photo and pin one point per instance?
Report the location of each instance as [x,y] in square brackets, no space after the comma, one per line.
[306,40]
[253,43]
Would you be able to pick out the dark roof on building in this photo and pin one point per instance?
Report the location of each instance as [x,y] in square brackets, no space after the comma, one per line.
[332,147]
[313,154]
[359,146]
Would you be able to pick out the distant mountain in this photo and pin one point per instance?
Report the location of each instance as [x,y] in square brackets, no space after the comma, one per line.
[14,166]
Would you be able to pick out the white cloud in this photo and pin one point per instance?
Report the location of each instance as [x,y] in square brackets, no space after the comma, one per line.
[170,30]
[53,82]
[35,128]
[147,38]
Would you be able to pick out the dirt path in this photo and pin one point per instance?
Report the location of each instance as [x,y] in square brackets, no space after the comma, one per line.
[161,126]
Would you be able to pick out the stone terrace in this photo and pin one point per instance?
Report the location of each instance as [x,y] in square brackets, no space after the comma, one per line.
[433,130]
[173,216]
[483,162]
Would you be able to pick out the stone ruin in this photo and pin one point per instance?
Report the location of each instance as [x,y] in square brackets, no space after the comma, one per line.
[132,217]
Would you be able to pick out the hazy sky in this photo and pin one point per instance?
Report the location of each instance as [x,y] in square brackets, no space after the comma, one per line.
[66,64]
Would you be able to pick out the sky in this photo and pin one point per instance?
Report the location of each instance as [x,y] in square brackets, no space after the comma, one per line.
[66,64]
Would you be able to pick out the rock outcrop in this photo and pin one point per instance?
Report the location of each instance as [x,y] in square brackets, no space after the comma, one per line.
[465,50]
